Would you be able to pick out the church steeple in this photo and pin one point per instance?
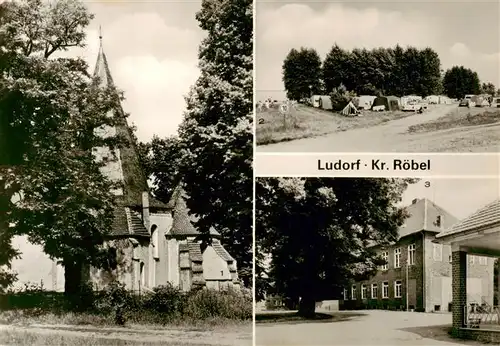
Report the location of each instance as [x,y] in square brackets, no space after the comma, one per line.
[101,69]
[127,168]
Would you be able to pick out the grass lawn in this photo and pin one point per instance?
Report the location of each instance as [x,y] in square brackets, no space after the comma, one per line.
[291,317]
[28,328]
[45,339]
[459,117]
[304,122]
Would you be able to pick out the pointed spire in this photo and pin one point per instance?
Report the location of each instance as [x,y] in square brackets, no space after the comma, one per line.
[101,67]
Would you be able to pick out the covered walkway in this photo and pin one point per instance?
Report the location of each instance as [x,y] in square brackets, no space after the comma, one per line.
[478,234]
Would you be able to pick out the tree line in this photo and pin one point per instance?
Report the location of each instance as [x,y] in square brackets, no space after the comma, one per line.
[394,71]
[52,189]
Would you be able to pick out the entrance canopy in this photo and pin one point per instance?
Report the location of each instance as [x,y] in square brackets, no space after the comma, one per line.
[477,234]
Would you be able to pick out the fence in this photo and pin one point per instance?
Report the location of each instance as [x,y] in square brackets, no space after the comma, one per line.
[482,316]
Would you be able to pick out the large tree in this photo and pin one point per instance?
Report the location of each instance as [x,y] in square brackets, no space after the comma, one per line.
[50,111]
[216,136]
[459,81]
[302,73]
[320,232]
[488,88]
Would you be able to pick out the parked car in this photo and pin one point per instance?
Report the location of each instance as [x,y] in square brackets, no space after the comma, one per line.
[467,101]
[413,106]
[495,102]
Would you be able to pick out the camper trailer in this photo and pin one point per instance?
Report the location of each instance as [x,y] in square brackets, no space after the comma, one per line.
[364,102]
[321,101]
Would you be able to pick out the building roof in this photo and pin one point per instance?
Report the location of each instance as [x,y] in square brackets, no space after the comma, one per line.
[134,179]
[424,217]
[183,221]
[128,223]
[488,215]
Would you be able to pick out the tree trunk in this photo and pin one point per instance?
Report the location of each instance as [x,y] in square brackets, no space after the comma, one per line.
[307,307]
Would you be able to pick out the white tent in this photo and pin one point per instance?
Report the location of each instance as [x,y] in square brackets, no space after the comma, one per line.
[350,109]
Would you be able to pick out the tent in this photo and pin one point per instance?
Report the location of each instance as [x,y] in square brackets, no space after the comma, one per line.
[432,99]
[350,109]
[390,103]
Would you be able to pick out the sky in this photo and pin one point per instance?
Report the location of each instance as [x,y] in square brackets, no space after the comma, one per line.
[462,32]
[460,197]
[152,52]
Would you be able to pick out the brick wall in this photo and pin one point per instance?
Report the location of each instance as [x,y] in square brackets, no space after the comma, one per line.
[393,274]
[459,289]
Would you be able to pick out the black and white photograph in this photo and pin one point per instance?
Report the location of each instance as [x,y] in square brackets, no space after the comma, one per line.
[377,76]
[377,261]
[126,182]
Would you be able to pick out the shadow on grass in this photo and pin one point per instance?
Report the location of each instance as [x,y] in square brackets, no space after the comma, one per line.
[440,333]
[291,317]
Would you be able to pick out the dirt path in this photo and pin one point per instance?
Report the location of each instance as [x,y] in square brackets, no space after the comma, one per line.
[172,336]
[375,328]
[393,136]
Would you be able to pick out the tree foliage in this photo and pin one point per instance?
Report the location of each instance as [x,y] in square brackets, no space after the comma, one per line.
[488,88]
[216,136]
[320,232]
[50,109]
[390,71]
[340,97]
[302,73]
[460,81]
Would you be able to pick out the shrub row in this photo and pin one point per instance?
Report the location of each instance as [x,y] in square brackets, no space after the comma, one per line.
[164,304]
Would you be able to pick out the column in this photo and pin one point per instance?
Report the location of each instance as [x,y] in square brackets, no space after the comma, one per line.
[498,280]
[459,288]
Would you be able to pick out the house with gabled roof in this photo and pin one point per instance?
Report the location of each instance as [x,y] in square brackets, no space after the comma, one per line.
[151,243]
[418,272]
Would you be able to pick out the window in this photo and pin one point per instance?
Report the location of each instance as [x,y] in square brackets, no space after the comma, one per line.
[385,289]
[450,258]
[155,241]
[411,254]
[143,275]
[483,260]
[397,289]
[353,292]
[397,258]
[374,291]
[363,291]
[385,257]
[345,294]
[438,252]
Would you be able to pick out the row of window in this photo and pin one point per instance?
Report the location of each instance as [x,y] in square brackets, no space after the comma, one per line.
[397,257]
[437,256]
[374,290]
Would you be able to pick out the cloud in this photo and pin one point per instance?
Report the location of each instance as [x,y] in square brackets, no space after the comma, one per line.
[279,29]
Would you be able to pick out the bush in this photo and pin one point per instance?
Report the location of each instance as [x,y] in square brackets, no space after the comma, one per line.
[340,97]
[166,299]
[208,303]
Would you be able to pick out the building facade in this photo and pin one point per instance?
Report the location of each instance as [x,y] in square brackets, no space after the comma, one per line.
[151,243]
[418,273]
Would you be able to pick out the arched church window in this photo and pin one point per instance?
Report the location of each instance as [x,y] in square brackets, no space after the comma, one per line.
[155,241]
[143,275]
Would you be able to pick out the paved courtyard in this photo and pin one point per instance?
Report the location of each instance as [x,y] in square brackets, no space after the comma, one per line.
[377,327]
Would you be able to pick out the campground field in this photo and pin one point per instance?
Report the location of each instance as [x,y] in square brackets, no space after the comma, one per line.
[441,128]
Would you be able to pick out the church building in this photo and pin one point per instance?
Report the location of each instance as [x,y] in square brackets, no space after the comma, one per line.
[155,242]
